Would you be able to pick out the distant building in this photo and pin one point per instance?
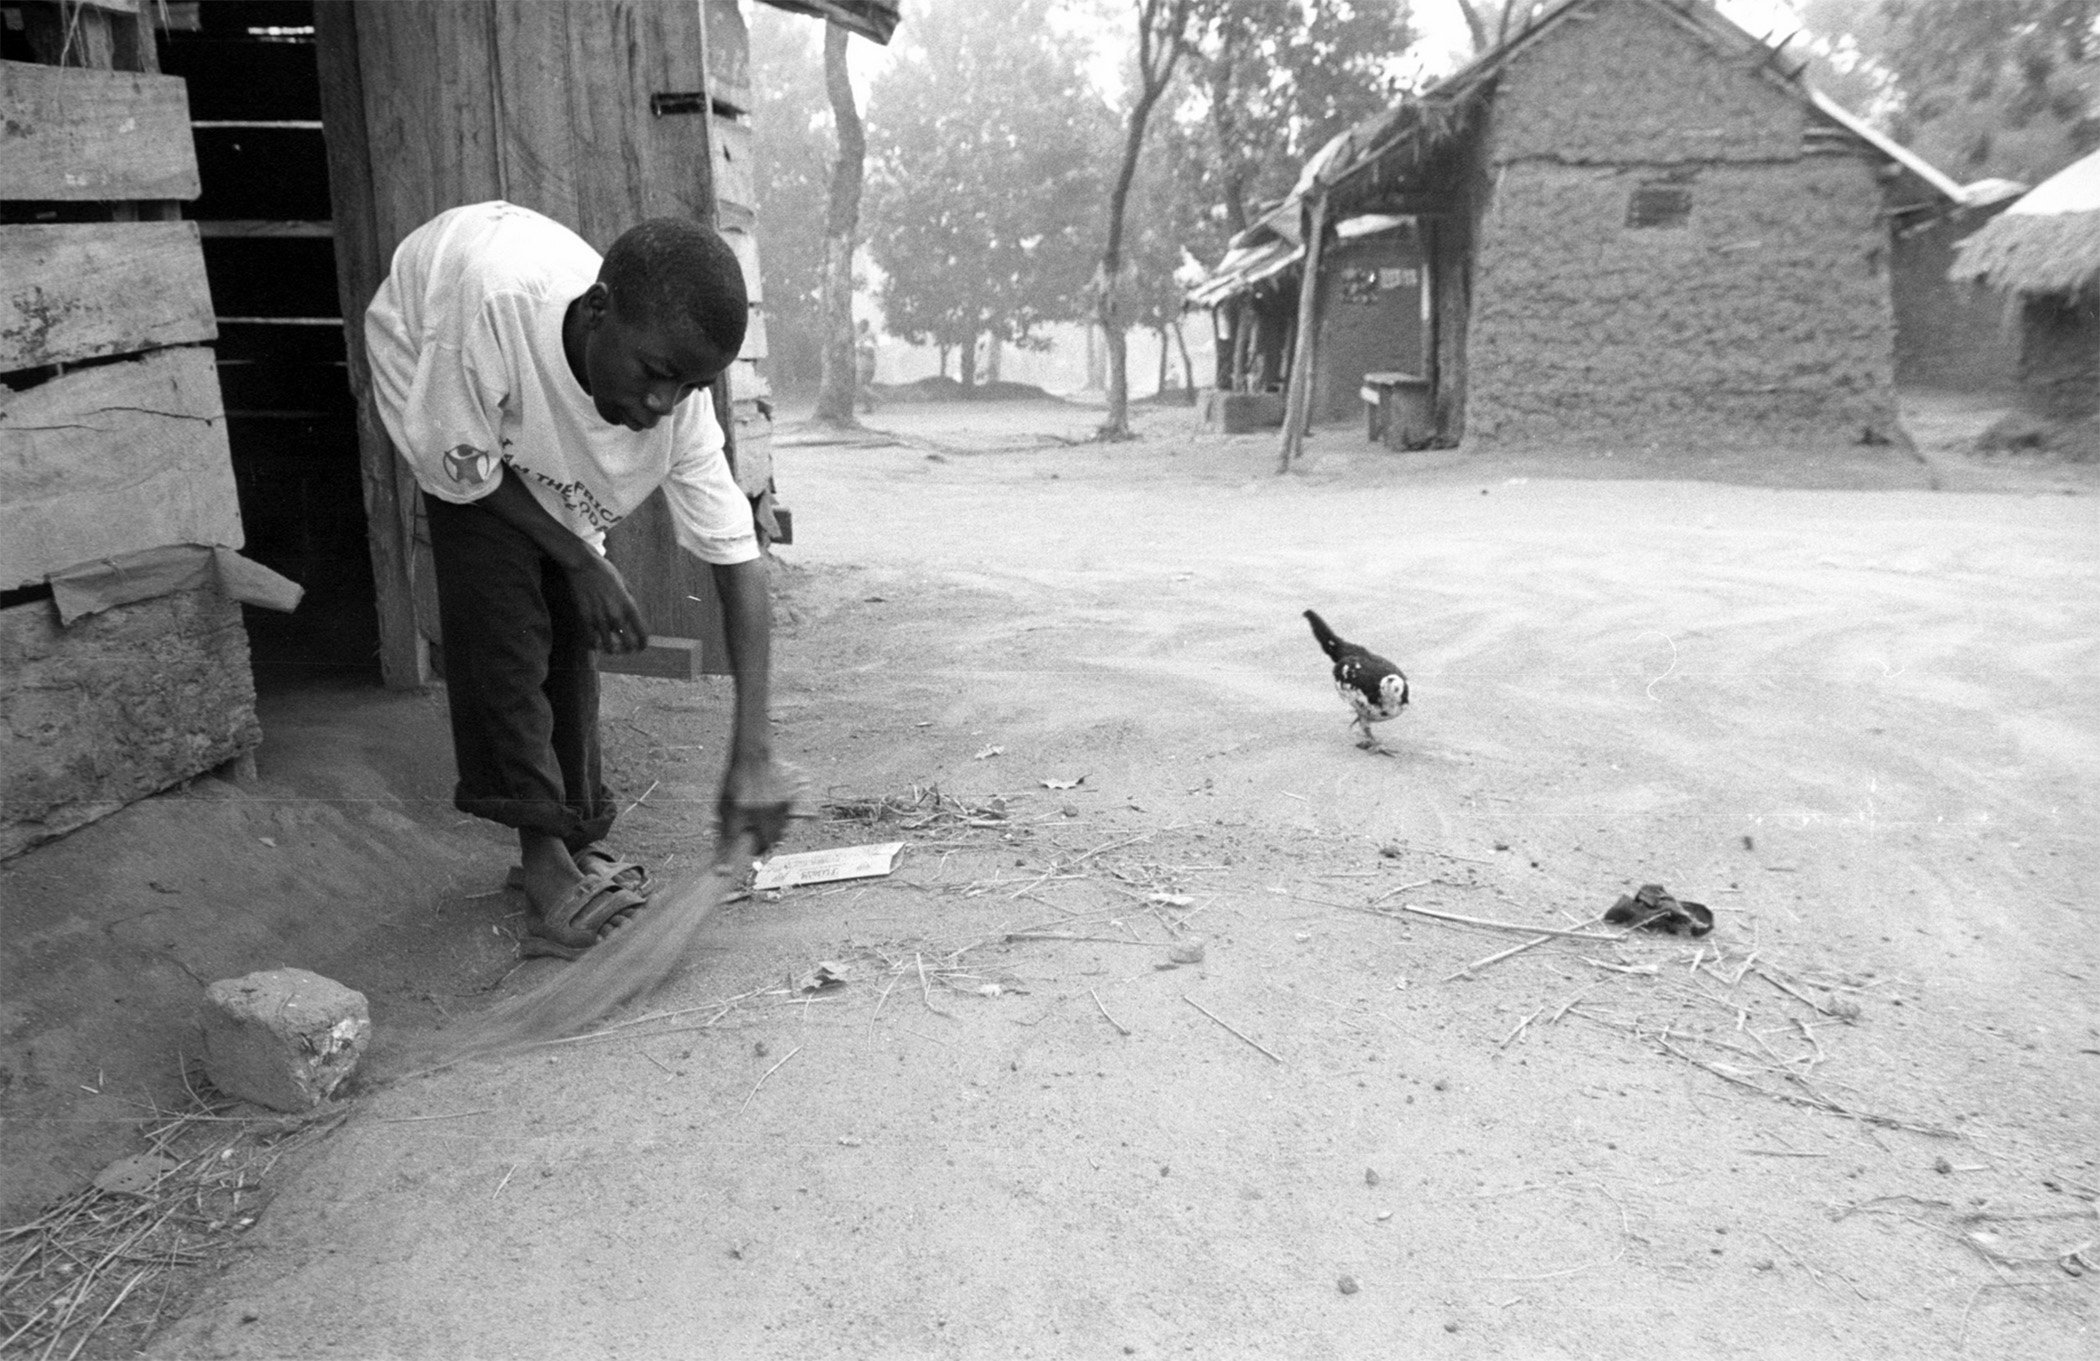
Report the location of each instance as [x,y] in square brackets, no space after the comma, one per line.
[1626,223]
[2045,251]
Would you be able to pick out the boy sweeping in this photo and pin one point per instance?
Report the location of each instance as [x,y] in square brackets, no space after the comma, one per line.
[540,394]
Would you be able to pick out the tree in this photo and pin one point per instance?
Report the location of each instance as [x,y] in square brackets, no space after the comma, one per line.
[1275,79]
[837,389]
[1980,88]
[791,134]
[1170,228]
[982,169]
[1162,35]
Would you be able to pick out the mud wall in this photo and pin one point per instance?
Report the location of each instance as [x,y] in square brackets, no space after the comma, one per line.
[1660,261]
[1371,320]
[1962,337]
[2060,354]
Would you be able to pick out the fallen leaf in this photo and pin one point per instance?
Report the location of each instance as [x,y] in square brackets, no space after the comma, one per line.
[131,1176]
[1172,899]
[826,976]
[989,752]
[1064,784]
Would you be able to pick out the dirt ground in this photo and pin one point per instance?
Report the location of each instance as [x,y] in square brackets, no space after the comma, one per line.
[1861,1118]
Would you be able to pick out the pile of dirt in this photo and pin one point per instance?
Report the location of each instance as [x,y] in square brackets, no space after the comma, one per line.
[2075,441]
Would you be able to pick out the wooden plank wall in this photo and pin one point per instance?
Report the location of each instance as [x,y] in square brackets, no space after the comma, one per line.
[547,106]
[112,432]
[736,208]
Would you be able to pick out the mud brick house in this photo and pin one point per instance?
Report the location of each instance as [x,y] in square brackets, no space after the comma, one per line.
[196,202]
[1631,222]
[2045,252]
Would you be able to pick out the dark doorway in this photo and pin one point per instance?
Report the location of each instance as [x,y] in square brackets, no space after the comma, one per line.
[269,252]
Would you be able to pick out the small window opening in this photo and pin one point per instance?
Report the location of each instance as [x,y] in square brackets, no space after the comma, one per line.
[1659,205]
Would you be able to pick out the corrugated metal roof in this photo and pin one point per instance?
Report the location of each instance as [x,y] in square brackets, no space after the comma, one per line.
[2073,189]
[875,20]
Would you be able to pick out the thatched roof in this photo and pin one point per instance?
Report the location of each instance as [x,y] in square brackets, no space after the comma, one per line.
[2048,242]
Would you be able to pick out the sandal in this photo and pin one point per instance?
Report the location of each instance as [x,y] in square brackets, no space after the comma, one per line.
[595,861]
[579,920]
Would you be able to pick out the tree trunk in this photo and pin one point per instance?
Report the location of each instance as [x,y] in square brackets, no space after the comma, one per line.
[1160,385]
[1160,29]
[1181,343]
[1297,407]
[836,387]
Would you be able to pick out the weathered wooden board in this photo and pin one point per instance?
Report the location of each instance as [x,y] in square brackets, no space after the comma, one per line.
[88,289]
[736,169]
[70,134]
[111,459]
[122,704]
[728,55]
[390,493]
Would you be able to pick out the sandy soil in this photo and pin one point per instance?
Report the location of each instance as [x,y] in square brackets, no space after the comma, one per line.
[1861,1118]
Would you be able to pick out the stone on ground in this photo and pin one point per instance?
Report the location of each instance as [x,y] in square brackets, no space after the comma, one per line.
[283,1038]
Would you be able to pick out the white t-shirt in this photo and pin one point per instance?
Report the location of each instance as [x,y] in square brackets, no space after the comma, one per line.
[471,382]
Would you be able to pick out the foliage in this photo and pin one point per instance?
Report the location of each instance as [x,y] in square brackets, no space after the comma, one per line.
[1273,80]
[1169,225]
[1980,88]
[791,130]
[985,144]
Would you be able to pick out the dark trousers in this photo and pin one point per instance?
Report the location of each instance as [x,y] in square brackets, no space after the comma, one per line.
[519,678]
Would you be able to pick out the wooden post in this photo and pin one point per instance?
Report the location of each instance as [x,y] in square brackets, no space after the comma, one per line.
[404,655]
[1297,414]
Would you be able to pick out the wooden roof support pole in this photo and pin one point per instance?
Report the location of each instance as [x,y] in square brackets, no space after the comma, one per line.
[1297,405]
[404,656]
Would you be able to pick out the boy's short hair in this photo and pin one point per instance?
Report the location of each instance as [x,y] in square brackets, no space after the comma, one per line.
[680,272]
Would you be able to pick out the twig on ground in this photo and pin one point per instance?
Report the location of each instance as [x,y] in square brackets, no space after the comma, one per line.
[1221,1021]
[1794,992]
[1511,1038]
[448,1115]
[763,1076]
[1492,925]
[1501,955]
[1120,1027]
[1441,855]
[1098,940]
[926,991]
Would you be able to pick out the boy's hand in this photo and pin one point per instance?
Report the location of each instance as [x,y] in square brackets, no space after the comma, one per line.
[610,616]
[757,795]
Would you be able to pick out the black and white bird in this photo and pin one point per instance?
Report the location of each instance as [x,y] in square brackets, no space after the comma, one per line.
[1373,686]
